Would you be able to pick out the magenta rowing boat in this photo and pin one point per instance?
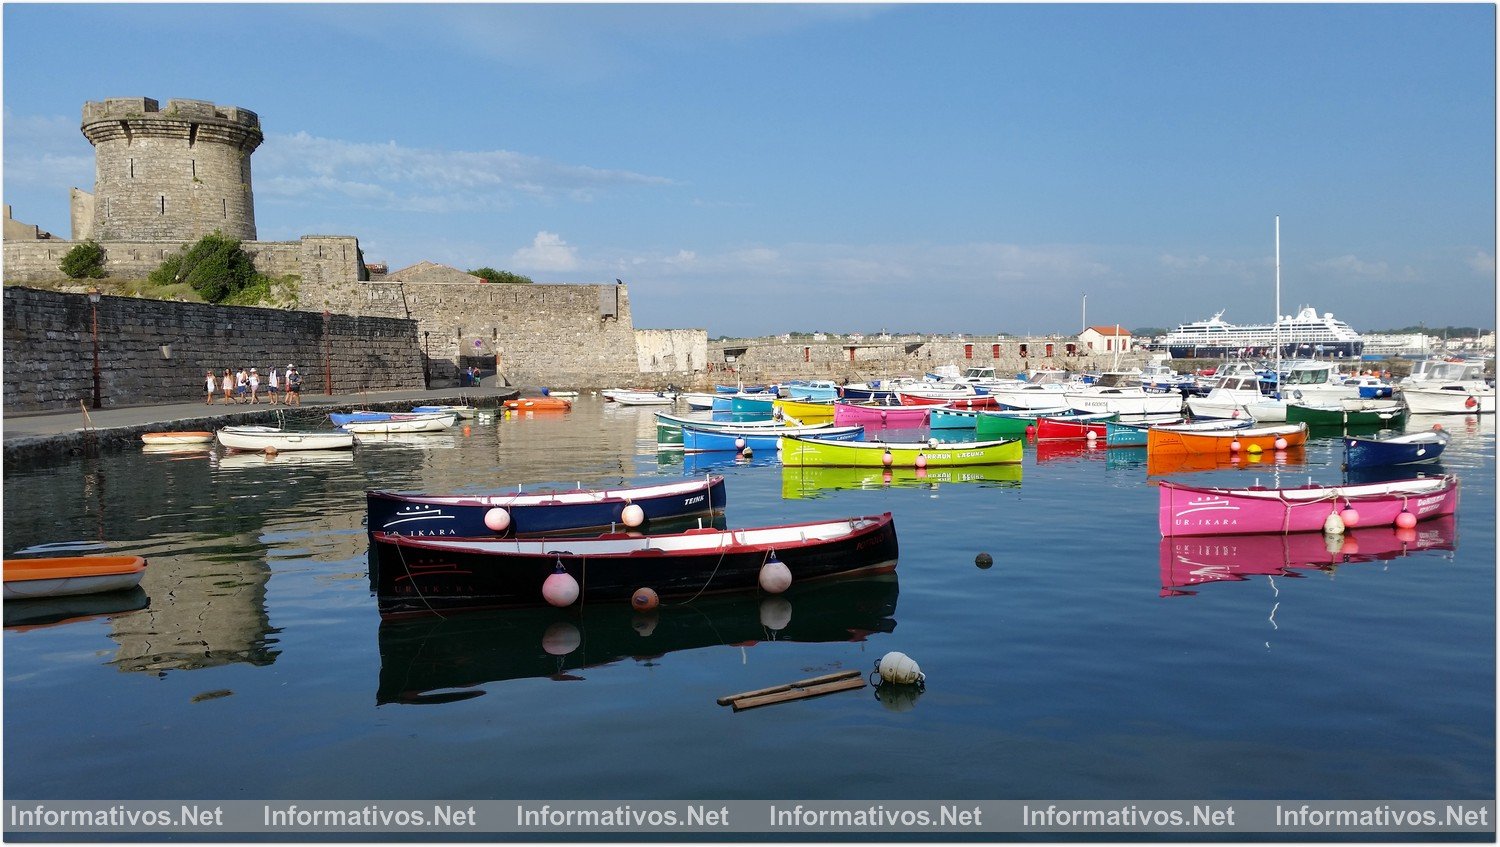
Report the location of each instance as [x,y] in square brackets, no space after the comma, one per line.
[896,417]
[1192,510]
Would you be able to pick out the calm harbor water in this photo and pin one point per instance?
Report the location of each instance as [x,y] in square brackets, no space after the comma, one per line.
[1082,664]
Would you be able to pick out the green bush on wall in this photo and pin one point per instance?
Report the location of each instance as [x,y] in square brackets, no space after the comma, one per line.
[215,267]
[85,261]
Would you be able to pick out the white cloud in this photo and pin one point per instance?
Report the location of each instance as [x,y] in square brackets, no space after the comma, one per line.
[303,168]
[1350,265]
[1482,263]
[548,252]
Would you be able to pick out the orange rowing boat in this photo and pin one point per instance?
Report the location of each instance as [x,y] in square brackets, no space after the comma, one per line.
[63,576]
[1227,442]
[538,404]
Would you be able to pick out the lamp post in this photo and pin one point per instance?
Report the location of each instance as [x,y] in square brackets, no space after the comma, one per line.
[94,308]
[426,362]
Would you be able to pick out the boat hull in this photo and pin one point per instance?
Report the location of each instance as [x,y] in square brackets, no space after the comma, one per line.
[758,440]
[1226,442]
[1076,427]
[873,454]
[252,438]
[1189,510]
[177,437]
[421,576]
[1341,418]
[539,404]
[807,411]
[1445,402]
[897,417]
[68,576]
[539,514]
[425,423]
[1401,450]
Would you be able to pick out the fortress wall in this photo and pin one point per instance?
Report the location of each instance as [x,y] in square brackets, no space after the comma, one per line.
[320,260]
[154,351]
[671,351]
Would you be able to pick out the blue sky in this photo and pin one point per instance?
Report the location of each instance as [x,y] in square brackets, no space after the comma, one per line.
[755,169]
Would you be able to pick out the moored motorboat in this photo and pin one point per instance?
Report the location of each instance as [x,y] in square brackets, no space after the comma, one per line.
[179,437]
[1407,449]
[808,450]
[266,437]
[422,575]
[66,576]
[1193,510]
[521,514]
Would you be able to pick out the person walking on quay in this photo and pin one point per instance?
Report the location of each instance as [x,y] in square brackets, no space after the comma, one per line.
[293,386]
[241,385]
[228,385]
[254,386]
[212,385]
[271,386]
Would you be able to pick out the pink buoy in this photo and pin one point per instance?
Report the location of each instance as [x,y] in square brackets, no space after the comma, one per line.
[644,600]
[887,459]
[739,443]
[560,589]
[1406,520]
[497,519]
[921,461]
[1350,516]
[1234,446]
[1281,444]
[632,515]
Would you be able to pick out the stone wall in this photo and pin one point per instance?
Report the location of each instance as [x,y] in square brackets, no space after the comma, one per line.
[153,351]
[671,351]
[320,260]
[577,336]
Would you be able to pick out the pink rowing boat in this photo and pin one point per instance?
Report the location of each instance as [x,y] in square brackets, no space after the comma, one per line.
[896,417]
[1192,510]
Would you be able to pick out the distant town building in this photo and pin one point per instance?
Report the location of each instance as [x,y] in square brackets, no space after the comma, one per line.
[1107,339]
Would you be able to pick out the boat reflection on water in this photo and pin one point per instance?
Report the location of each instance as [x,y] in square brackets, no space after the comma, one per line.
[1070,450]
[799,482]
[1188,562]
[236,461]
[1167,463]
[46,611]
[698,464]
[444,660]
[1393,473]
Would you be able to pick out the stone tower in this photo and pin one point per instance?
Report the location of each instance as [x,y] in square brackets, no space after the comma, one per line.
[173,174]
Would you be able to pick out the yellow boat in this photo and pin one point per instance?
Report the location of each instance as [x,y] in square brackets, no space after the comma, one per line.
[800,482]
[806,411]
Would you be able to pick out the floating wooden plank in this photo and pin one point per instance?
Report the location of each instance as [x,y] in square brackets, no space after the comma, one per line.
[801,683]
[800,693]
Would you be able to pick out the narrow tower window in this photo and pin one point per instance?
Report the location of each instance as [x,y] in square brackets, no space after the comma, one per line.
[132,169]
[225,203]
[195,168]
[164,204]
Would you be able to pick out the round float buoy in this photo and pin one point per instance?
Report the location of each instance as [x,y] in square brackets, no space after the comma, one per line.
[887,459]
[466,429]
[775,613]
[270,451]
[632,515]
[561,638]
[932,442]
[882,416]
[1091,435]
[747,453]
[1350,517]
[1471,402]
[546,392]
[1333,524]
[921,461]
[1406,520]
[560,589]
[1281,444]
[1253,449]
[497,519]
[1030,431]
[644,600]
[739,443]
[1234,446]
[983,561]
[775,576]
[900,669]
[1437,426]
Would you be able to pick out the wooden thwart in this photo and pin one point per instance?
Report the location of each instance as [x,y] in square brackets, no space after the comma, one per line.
[799,690]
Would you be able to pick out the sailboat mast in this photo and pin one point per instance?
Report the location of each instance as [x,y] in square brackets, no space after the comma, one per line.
[1276,325]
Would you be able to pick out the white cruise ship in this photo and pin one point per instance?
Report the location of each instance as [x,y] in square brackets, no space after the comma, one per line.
[1304,336]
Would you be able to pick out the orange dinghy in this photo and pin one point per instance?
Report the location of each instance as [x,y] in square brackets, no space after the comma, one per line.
[1226,442]
[65,576]
[539,404]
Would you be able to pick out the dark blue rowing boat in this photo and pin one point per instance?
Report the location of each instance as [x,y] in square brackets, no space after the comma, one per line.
[1406,449]
[522,515]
